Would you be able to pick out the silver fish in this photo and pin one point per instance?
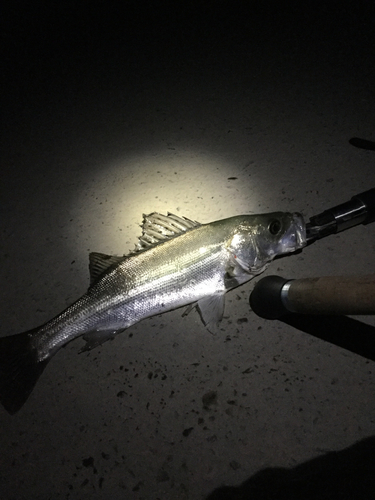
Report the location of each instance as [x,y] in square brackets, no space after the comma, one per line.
[177,262]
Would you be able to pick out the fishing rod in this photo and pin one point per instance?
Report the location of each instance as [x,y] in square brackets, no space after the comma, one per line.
[359,210]
[274,296]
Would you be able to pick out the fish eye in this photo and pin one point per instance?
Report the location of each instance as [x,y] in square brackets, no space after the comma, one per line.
[274,227]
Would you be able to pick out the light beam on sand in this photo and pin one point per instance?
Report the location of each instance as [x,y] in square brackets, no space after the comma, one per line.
[202,187]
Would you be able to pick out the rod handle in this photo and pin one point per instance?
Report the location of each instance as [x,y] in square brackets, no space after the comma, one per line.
[274,296]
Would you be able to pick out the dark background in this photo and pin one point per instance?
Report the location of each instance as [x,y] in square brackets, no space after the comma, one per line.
[206,109]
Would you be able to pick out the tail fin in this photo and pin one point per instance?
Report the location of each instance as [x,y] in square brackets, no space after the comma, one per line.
[19,370]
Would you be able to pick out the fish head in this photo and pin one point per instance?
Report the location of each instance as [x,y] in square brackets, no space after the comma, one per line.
[258,239]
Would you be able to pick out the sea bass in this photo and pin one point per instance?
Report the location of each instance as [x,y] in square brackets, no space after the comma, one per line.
[177,262]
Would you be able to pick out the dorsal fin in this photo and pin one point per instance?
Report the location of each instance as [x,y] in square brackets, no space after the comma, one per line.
[157,228]
[99,263]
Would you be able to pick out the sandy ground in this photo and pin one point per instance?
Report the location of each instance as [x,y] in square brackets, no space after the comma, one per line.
[207,113]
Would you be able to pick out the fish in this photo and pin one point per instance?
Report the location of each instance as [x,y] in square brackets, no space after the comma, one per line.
[177,262]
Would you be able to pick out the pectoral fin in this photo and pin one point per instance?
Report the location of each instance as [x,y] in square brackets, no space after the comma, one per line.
[211,310]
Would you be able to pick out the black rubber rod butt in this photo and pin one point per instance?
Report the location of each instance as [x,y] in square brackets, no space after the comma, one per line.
[273,296]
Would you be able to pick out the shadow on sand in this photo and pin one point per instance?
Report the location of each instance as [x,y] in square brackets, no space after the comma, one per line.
[346,474]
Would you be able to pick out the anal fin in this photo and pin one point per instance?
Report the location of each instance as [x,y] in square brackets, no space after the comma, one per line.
[189,308]
[98,337]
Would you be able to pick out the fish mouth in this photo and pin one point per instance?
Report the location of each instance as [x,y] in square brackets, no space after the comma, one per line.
[295,237]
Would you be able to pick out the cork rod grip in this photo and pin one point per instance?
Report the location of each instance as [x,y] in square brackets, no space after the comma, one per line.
[332,295]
